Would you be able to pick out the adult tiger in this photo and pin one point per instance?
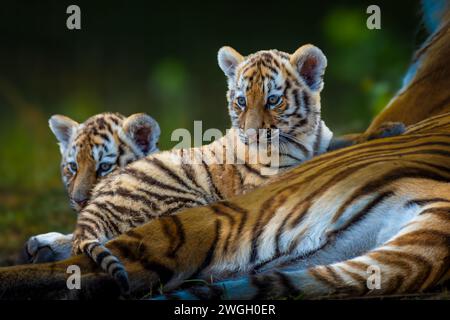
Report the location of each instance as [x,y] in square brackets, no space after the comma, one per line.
[90,151]
[314,232]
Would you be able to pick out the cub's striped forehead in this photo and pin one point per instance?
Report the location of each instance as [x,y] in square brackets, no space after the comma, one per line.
[273,60]
[266,70]
[96,137]
[267,61]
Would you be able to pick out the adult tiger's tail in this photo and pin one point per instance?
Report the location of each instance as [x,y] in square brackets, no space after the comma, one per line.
[414,260]
[109,263]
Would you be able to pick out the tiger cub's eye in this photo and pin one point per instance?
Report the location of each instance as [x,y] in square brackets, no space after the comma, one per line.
[104,167]
[241,102]
[72,167]
[273,101]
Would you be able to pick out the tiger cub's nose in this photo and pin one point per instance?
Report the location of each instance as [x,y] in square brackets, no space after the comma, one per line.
[82,203]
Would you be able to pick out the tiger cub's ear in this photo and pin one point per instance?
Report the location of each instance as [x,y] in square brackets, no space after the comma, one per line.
[310,63]
[143,131]
[63,128]
[229,59]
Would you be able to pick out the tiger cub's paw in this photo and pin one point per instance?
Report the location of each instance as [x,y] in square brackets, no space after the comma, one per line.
[47,247]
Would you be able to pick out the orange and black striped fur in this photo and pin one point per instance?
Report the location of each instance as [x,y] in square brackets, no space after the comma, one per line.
[98,146]
[90,151]
[315,231]
[267,90]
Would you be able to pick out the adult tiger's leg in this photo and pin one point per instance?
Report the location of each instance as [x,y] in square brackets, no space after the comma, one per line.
[415,260]
[53,281]
[152,254]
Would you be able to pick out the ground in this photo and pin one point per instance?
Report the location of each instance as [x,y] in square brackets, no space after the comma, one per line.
[24,214]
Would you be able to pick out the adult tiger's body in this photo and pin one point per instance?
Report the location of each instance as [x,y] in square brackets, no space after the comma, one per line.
[392,217]
[388,200]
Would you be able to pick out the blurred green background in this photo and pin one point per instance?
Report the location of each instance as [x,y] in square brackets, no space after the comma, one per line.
[160,58]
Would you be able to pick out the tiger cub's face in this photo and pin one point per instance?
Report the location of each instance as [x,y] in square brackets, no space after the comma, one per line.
[98,146]
[274,90]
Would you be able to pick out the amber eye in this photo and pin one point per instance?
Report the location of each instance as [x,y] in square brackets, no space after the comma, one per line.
[72,167]
[273,101]
[104,167]
[241,102]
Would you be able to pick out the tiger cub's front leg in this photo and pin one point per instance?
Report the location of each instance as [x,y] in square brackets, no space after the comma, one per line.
[47,247]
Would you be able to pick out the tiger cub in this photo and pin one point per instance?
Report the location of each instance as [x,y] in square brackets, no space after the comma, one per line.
[90,151]
[266,90]
[95,148]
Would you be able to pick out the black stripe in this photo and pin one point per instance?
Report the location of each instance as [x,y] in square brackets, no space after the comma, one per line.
[211,292]
[164,273]
[177,238]
[435,210]
[168,171]
[422,202]
[212,185]
[306,102]
[371,187]
[142,176]
[318,139]
[391,176]
[102,255]
[86,225]
[188,171]
[243,213]
[109,264]
[133,234]
[113,231]
[129,194]
[217,210]
[118,218]
[177,208]
[132,250]
[220,212]
[180,233]
[91,247]
[361,214]
[264,285]
[258,227]
[287,155]
[168,199]
[288,286]
[296,144]
[250,169]
[209,255]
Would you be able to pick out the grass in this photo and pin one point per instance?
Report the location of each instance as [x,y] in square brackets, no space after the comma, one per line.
[24,213]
